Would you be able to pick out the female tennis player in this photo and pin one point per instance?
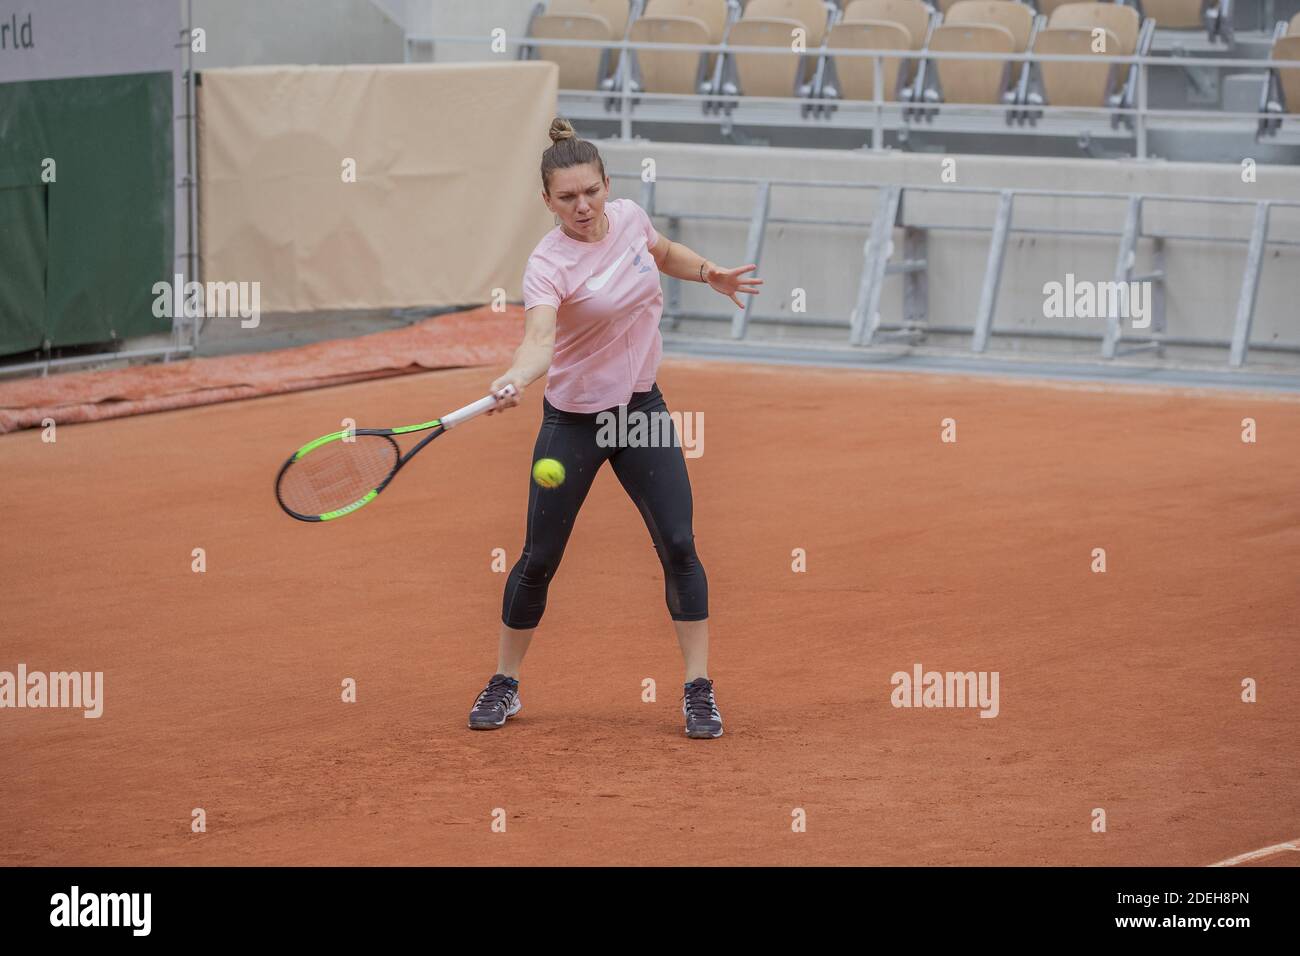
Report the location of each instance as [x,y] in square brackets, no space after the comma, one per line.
[592,303]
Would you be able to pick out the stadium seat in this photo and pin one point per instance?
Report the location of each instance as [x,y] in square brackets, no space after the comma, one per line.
[1288,48]
[1281,93]
[1048,7]
[615,12]
[714,14]
[757,74]
[983,26]
[1118,18]
[772,23]
[1075,84]
[812,14]
[1070,31]
[1015,16]
[970,81]
[1036,6]
[666,71]
[853,77]
[678,21]
[581,68]
[913,15]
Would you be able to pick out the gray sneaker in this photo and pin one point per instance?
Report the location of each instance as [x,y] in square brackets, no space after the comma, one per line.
[497,704]
[701,710]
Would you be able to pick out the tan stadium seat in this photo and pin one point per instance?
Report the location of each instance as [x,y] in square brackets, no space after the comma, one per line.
[1174,14]
[972,81]
[615,12]
[1070,31]
[913,14]
[855,74]
[1074,84]
[712,13]
[1117,18]
[1044,6]
[1016,17]
[1288,48]
[811,14]
[660,77]
[760,74]
[1281,92]
[667,71]
[581,68]
[1048,7]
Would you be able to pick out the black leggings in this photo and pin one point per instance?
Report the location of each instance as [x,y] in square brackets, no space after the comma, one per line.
[654,477]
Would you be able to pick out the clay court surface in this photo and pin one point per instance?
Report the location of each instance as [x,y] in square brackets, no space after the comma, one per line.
[222,689]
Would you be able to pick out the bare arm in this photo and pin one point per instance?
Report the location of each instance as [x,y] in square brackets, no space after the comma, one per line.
[532,358]
[680,262]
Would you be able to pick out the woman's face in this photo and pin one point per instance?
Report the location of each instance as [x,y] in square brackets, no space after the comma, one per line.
[578,197]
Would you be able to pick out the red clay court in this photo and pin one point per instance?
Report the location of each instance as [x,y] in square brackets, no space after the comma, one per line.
[1119,691]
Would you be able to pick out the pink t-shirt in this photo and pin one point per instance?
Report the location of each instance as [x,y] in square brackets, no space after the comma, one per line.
[608,304]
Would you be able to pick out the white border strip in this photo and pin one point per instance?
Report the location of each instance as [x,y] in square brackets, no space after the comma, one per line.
[1294,845]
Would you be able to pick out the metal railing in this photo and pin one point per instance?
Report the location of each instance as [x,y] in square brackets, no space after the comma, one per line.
[864,323]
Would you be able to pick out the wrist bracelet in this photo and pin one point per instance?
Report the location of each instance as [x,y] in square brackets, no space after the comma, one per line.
[702,265]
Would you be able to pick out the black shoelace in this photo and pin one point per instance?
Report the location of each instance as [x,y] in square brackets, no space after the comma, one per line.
[496,693]
[699,701]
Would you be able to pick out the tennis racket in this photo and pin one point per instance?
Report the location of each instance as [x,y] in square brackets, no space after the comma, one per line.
[342,472]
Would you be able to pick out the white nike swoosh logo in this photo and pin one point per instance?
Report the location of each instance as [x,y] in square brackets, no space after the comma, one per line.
[595,283]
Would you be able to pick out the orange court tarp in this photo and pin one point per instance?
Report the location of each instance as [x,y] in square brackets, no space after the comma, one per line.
[455,340]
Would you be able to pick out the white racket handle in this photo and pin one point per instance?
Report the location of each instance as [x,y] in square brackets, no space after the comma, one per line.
[452,419]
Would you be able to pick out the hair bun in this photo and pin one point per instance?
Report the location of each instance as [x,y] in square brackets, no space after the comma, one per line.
[561,129]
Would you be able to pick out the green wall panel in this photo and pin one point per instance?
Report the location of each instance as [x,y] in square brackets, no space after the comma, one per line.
[22,268]
[108,227]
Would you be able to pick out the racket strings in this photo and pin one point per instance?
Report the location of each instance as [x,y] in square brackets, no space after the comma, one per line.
[338,474]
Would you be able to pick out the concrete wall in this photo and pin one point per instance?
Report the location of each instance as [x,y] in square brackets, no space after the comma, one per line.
[267,32]
[1204,277]
[461,18]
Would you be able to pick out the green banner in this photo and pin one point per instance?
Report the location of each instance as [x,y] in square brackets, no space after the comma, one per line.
[86,205]
[22,268]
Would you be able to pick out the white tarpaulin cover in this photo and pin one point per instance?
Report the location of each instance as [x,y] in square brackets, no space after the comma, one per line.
[446,203]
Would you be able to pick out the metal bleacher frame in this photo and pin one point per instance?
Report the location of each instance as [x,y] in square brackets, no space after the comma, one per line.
[864,324]
[615,101]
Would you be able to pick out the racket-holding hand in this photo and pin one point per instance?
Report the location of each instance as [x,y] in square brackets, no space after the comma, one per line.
[731,281]
[505,399]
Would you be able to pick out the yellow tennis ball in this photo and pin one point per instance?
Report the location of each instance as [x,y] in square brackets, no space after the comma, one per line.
[548,473]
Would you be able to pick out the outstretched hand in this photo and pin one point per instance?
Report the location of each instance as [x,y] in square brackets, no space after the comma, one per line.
[730,281]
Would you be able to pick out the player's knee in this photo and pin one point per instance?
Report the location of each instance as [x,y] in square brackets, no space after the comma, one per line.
[539,566]
[680,544]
